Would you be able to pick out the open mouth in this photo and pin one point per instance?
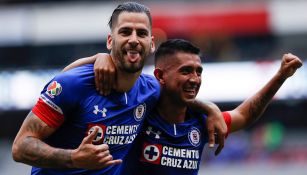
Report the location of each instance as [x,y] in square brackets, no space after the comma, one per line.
[191,90]
[133,55]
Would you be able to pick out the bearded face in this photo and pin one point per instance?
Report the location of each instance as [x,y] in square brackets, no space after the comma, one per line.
[131,41]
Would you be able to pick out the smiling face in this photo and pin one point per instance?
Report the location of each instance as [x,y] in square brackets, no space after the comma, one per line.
[130,41]
[181,78]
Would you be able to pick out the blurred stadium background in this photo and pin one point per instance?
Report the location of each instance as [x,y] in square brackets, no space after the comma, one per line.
[242,43]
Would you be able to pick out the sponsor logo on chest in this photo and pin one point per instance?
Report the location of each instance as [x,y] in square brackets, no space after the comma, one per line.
[113,134]
[170,156]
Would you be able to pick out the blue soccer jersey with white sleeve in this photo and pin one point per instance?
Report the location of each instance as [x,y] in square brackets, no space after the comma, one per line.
[71,104]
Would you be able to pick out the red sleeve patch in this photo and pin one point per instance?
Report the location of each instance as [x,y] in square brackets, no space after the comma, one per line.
[227,119]
[50,116]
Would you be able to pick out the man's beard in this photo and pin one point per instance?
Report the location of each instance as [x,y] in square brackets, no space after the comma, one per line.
[125,65]
[132,68]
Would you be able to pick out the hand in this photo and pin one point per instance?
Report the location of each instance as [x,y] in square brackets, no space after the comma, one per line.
[105,73]
[89,156]
[290,63]
[217,130]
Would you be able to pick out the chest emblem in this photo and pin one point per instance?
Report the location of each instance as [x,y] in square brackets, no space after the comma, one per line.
[139,112]
[194,136]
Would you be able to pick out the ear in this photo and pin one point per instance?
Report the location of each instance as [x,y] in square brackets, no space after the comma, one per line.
[153,46]
[109,42]
[159,75]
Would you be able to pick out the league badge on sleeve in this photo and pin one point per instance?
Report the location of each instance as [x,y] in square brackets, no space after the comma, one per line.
[54,89]
[139,112]
[194,136]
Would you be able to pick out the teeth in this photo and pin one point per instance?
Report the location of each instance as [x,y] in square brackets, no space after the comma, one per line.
[191,89]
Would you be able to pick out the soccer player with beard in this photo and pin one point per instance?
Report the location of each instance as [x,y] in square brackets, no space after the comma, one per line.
[73,129]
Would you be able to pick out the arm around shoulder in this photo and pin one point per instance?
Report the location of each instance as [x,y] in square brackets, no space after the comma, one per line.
[215,123]
[104,69]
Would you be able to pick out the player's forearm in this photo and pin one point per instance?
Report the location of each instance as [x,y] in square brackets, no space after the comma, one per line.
[252,108]
[204,107]
[80,62]
[34,152]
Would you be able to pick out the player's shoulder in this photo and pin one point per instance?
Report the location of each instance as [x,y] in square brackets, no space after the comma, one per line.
[75,81]
[77,75]
[147,77]
[148,84]
[148,80]
[77,72]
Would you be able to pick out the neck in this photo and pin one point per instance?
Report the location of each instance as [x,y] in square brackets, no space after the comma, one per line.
[170,110]
[125,81]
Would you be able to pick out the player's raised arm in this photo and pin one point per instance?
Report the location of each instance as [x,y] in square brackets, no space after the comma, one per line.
[252,108]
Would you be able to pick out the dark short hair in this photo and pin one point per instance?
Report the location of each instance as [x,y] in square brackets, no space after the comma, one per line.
[129,7]
[173,46]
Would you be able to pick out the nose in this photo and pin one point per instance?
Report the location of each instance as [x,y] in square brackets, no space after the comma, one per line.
[133,39]
[195,79]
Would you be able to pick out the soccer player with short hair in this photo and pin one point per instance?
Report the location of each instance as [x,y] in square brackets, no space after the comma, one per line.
[73,129]
[172,138]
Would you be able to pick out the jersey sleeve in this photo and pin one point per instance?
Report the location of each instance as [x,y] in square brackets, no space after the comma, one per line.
[59,98]
[227,119]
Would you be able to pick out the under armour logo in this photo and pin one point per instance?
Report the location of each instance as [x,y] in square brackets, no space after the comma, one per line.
[103,111]
[150,131]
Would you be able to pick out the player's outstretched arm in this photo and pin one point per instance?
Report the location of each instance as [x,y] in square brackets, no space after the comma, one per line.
[29,148]
[215,123]
[104,69]
[252,108]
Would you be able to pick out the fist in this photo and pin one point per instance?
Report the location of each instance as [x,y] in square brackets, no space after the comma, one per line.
[290,63]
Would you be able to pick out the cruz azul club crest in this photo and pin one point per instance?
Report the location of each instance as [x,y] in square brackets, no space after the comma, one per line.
[194,136]
[139,112]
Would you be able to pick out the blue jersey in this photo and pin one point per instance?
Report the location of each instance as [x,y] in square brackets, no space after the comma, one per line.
[71,104]
[164,148]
